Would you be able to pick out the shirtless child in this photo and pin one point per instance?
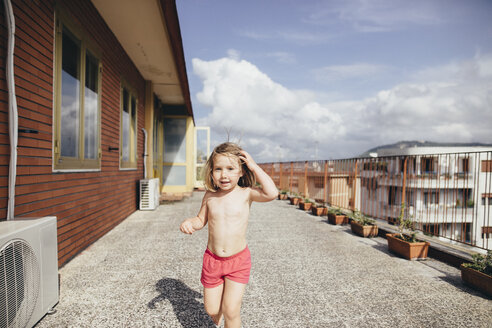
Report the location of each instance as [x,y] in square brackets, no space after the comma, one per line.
[230,177]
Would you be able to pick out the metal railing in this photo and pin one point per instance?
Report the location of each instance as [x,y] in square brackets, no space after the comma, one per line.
[448,195]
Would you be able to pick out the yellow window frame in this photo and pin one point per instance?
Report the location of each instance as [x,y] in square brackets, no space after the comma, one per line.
[131,163]
[78,163]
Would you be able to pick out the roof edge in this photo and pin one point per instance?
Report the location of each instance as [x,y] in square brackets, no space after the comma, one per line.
[172,24]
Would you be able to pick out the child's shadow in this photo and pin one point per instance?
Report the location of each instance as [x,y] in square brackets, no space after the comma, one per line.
[188,310]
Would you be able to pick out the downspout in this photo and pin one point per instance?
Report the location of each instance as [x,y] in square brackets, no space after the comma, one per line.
[13,115]
[145,153]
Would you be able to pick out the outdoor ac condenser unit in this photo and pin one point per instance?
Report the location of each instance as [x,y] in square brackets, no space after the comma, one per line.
[149,194]
[28,270]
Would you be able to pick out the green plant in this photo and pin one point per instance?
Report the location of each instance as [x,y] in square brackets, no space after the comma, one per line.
[307,200]
[482,263]
[361,219]
[404,224]
[284,192]
[470,203]
[335,211]
[319,205]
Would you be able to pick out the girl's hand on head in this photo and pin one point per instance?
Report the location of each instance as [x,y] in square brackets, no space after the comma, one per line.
[187,227]
[247,159]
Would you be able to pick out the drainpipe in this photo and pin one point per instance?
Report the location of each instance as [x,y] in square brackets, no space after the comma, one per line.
[145,153]
[13,116]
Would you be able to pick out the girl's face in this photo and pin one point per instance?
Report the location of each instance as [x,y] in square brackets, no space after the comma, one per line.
[226,171]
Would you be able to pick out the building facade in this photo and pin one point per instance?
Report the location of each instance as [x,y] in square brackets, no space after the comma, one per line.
[446,191]
[102,101]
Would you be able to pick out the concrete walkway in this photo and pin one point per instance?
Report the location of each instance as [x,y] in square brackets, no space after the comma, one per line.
[306,273]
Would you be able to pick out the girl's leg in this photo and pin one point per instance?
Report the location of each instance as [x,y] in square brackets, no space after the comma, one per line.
[231,303]
[212,299]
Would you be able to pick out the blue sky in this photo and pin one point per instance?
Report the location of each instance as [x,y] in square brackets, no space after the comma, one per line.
[295,80]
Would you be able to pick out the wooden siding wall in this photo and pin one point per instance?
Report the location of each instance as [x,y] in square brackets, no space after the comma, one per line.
[87,204]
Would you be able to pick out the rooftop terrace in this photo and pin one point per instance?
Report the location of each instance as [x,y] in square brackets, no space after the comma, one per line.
[306,273]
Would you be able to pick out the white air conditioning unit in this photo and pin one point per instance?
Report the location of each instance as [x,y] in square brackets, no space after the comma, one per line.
[149,194]
[28,270]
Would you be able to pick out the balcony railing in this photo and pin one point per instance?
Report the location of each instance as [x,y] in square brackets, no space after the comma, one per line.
[448,195]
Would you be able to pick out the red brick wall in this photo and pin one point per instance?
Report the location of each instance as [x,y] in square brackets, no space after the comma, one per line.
[87,204]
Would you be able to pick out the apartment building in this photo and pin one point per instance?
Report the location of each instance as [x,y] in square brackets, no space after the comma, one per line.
[447,191]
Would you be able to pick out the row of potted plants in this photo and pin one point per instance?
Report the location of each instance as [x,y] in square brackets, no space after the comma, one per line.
[404,242]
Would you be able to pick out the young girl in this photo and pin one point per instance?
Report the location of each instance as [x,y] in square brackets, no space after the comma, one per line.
[230,176]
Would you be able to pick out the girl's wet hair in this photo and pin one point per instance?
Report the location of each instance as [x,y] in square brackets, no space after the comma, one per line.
[229,149]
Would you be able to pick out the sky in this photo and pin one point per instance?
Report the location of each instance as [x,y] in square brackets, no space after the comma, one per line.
[306,79]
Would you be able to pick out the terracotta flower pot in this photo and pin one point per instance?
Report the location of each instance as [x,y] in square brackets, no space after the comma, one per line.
[319,211]
[282,196]
[294,200]
[305,206]
[417,250]
[364,230]
[337,219]
[477,280]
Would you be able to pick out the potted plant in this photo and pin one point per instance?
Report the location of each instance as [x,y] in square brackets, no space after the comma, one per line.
[294,199]
[362,225]
[478,274]
[407,244]
[336,216]
[319,209]
[306,204]
[282,195]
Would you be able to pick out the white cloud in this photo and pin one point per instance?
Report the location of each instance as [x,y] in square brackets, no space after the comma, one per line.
[289,35]
[342,72]
[377,15]
[451,103]
[283,57]
[233,54]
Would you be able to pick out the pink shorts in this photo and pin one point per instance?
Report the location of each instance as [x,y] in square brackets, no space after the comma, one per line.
[215,268]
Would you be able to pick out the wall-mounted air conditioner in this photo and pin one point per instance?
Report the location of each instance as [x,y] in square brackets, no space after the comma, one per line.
[28,270]
[149,194]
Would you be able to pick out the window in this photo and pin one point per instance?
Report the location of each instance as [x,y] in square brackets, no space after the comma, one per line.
[128,129]
[487,199]
[392,190]
[77,101]
[410,199]
[465,165]
[427,165]
[174,166]
[486,232]
[431,198]
[487,166]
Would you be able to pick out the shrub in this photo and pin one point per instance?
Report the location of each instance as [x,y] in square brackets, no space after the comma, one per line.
[405,223]
[335,211]
[361,218]
[482,263]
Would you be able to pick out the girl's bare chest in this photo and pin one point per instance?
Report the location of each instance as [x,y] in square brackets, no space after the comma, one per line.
[228,207]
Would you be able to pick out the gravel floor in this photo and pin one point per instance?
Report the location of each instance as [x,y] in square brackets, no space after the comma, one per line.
[306,273]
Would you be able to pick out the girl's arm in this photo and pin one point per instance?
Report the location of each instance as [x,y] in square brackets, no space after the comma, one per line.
[268,191]
[191,225]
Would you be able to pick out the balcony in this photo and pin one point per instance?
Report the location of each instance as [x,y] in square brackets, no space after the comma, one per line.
[306,273]
[436,186]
